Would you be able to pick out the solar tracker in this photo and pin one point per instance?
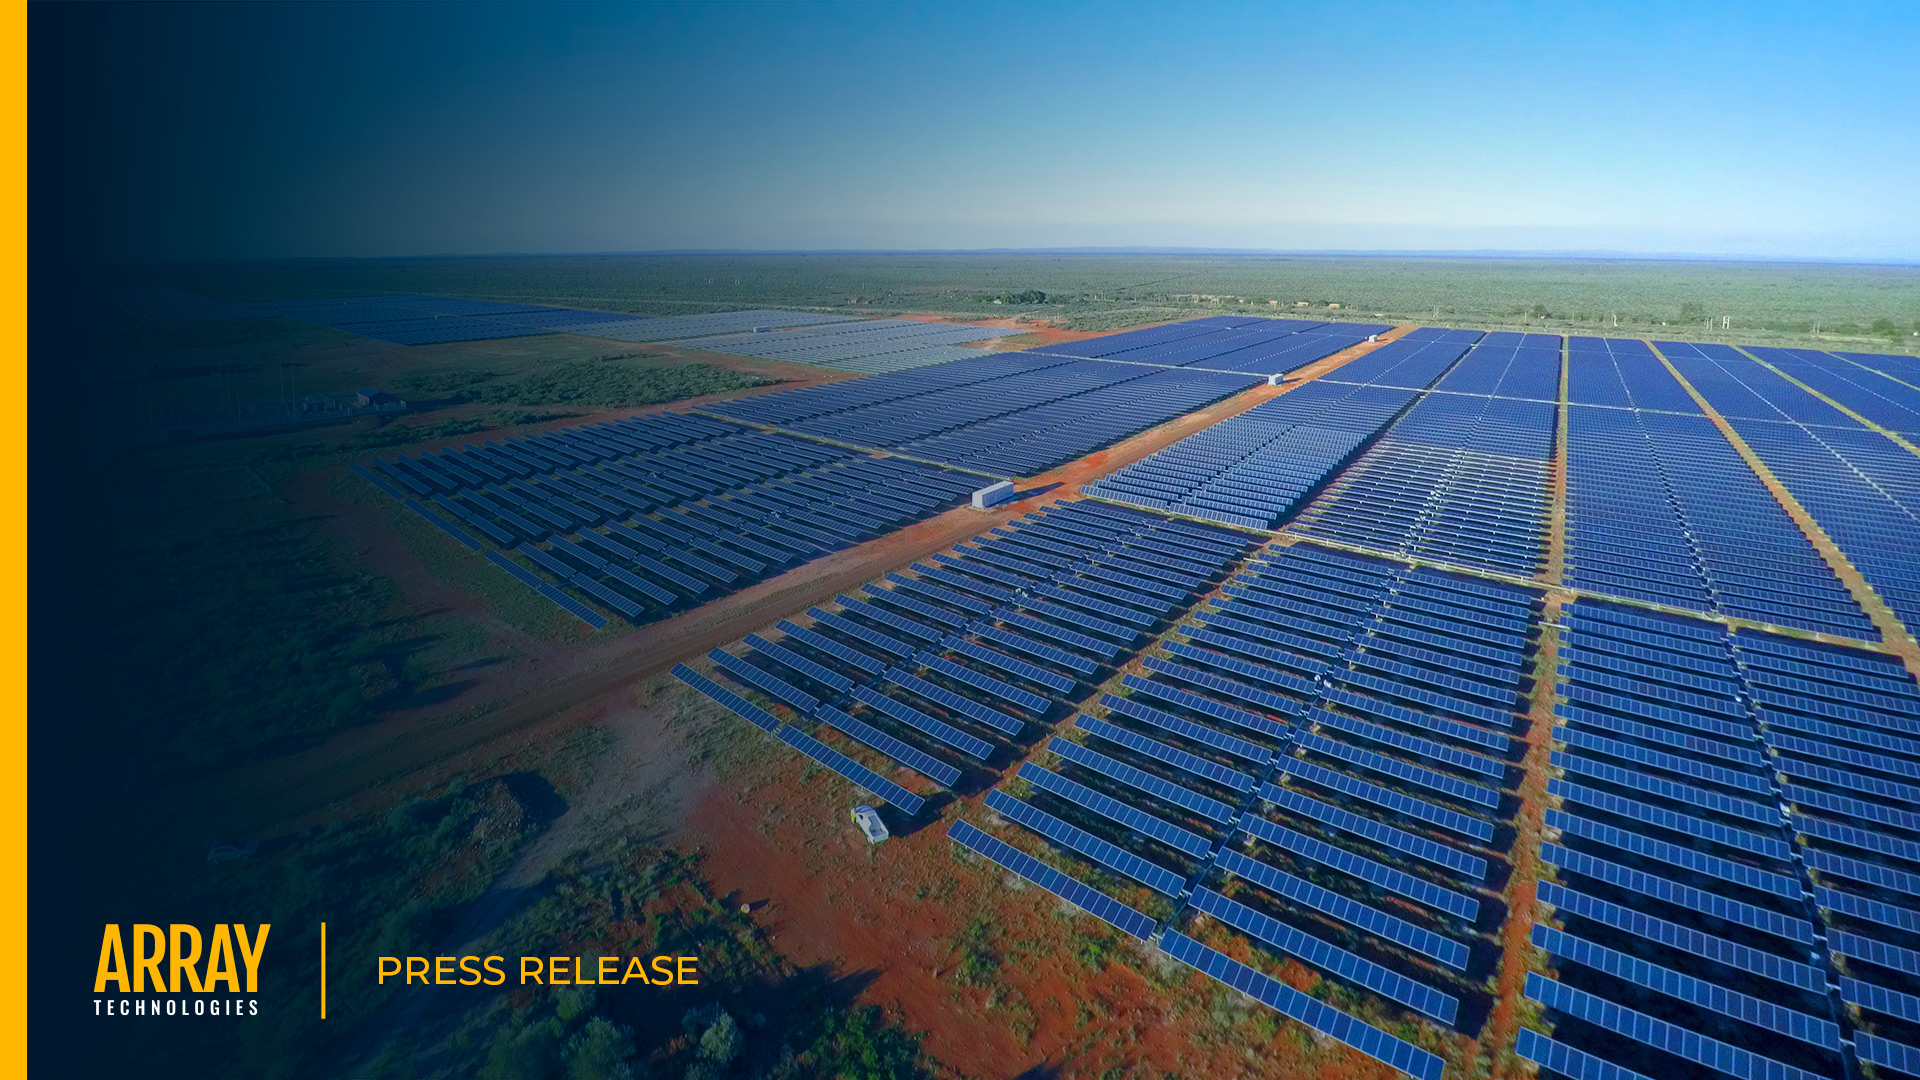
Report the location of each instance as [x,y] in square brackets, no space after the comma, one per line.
[1317,1015]
[1469,866]
[1362,868]
[1699,828]
[1206,706]
[1085,843]
[1411,744]
[1673,854]
[1433,946]
[1874,911]
[1052,655]
[1321,954]
[1135,710]
[914,718]
[1686,988]
[1703,798]
[1689,1045]
[1139,821]
[851,770]
[733,702]
[765,681]
[1685,939]
[1081,896]
[1388,799]
[1880,999]
[1156,786]
[1399,770]
[1880,1051]
[788,658]
[1568,1062]
[1160,751]
[814,639]
[965,706]
[918,760]
[1766,920]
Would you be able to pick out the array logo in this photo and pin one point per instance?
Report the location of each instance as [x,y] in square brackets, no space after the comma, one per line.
[178,970]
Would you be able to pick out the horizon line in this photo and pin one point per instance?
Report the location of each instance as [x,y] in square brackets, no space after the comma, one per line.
[1594,254]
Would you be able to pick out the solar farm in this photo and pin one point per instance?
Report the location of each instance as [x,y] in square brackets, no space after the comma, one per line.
[1462,698]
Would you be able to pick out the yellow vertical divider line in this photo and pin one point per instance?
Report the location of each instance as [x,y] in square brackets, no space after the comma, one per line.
[323,971]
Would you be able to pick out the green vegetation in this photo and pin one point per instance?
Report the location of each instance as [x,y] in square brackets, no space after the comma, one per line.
[625,380]
[607,382]
[1877,306]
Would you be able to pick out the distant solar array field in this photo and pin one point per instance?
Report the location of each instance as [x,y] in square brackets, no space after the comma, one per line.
[1321,764]
[1005,414]
[1254,346]
[925,678]
[1254,469]
[1735,841]
[648,515]
[876,347]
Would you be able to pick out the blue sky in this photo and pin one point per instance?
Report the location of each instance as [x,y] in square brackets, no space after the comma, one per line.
[278,130]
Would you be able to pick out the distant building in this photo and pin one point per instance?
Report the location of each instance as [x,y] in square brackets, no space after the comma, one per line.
[368,397]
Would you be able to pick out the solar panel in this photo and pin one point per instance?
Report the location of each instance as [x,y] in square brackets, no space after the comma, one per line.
[1386,710]
[1006,692]
[1139,821]
[1212,809]
[734,703]
[1875,1050]
[825,644]
[1103,649]
[1739,839]
[1389,799]
[1362,868]
[1387,927]
[1860,947]
[1642,1028]
[1328,957]
[1010,858]
[851,770]
[1316,1015]
[1206,706]
[1760,813]
[889,619]
[920,761]
[1766,920]
[966,707]
[1684,987]
[1874,911]
[1179,759]
[1040,649]
[1085,843]
[1674,855]
[1411,744]
[912,717]
[1685,939]
[1471,866]
[1880,999]
[858,632]
[1568,1062]
[928,611]
[1399,770]
[801,664]
[1206,736]
[773,685]
[1030,672]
